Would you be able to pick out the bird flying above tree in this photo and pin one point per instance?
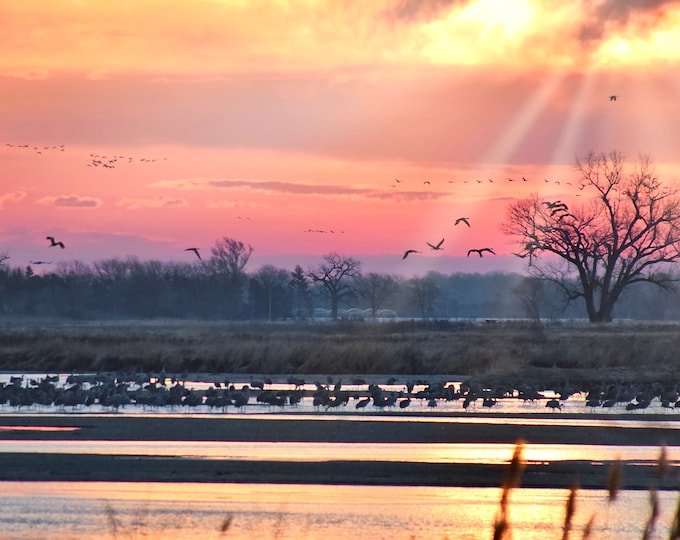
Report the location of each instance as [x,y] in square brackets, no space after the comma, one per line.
[480,251]
[54,243]
[436,247]
[195,250]
[408,252]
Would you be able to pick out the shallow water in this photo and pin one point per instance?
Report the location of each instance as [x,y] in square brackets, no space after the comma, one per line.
[152,510]
[192,511]
[477,453]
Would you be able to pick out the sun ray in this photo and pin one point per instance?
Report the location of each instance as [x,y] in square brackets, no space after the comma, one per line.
[573,129]
[512,136]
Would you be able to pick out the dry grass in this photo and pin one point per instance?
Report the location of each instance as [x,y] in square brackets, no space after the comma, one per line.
[501,350]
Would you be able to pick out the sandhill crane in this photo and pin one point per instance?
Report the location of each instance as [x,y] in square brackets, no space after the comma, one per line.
[438,246]
[553,404]
[613,97]
[480,251]
[195,250]
[54,243]
[408,252]
[362,403]
[462,220]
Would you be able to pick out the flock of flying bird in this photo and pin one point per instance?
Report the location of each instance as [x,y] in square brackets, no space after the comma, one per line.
[60,244]
[97,160]
[438,245]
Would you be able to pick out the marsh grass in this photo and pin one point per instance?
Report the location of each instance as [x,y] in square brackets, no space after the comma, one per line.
[502,350]
[502,526]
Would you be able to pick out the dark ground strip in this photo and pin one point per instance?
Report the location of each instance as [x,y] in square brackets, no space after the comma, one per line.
[83,468]
[232,428]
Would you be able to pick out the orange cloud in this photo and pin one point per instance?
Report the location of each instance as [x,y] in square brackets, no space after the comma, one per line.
[101,38]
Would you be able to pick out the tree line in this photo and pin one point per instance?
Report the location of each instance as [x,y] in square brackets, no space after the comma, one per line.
[614,253]
[221,288]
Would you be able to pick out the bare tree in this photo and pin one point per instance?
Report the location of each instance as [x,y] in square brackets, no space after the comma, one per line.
[626,233]
[229,257]
[376,289]
[272,279]
[300,286]
[425,291]
[333,275]
[531,294]
[228,260]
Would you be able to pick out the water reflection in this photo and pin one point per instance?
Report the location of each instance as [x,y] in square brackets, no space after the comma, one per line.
[192,511]
[473,453]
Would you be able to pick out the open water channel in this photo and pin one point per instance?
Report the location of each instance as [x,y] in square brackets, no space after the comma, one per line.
[105,510]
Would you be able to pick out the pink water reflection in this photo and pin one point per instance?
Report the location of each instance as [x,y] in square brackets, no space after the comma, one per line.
[478,453]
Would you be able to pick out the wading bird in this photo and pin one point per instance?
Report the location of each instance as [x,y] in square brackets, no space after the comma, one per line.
[481,251]
[53,243]
[408,252]
[195,250]
[613,98]
[462,220]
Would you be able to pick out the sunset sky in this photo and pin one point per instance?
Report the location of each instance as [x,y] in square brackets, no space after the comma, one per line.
[276,122]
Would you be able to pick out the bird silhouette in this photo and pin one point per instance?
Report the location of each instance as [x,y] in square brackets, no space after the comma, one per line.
[481,251]
[53,243]
[408,252]
[556,205]
[40,262]
[613,98]
[438,246]
[195,250]
[462,220]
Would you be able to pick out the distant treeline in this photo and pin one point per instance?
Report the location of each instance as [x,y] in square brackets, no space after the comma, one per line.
[132,288]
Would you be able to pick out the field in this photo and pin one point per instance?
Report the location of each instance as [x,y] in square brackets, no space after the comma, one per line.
[488,351]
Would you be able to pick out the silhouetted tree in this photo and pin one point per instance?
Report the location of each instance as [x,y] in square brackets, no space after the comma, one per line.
[626,233]
[274,281]
[376,289]
[425,292]
[228,260]
[336,275]
[531,294]
[300,286]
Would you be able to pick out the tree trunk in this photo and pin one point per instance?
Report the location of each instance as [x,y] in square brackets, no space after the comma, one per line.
[334,306]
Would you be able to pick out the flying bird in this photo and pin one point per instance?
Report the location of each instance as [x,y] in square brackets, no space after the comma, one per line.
[195,250]
[438,246]
[40,262]
[557,204]
[481,251]
[613,98]
[408,252]
[462,220]
[53,243]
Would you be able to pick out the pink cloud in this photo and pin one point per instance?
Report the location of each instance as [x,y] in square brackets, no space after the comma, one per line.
[71,201]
